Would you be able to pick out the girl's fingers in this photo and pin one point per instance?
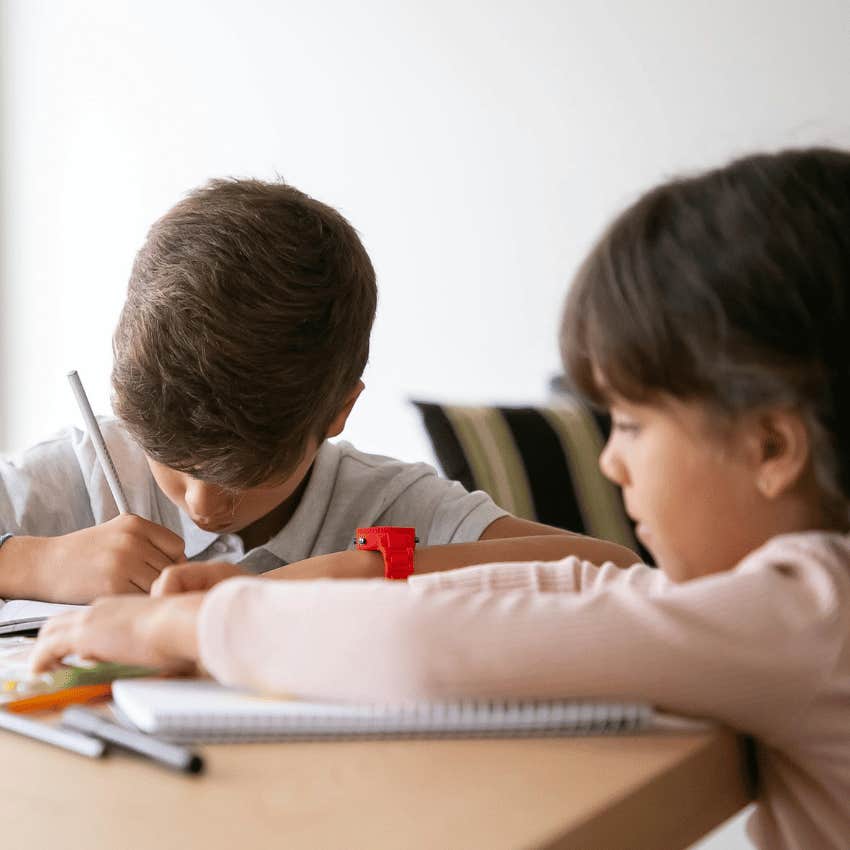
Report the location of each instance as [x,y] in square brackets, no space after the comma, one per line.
[168,581]
[53,644]
[183,578]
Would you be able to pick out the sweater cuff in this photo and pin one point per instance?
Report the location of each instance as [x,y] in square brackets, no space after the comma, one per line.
[217,644]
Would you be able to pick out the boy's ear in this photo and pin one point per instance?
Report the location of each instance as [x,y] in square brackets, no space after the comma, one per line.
[783,452]
[335,428]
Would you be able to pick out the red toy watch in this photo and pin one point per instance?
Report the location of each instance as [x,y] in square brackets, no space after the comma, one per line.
[394,543]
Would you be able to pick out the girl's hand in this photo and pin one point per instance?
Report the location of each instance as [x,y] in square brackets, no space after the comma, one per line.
[185,578]
[159,633]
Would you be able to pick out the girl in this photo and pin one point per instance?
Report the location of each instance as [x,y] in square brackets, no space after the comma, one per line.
[712,321]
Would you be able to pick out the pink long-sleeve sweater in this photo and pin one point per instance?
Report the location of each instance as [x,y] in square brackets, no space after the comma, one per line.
[764,648]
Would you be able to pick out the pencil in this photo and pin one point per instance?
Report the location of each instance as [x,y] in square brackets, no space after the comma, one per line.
[97,674]
[68,739]
[99,443]
[59,699]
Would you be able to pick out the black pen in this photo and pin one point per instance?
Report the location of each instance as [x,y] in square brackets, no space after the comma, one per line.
[169,755]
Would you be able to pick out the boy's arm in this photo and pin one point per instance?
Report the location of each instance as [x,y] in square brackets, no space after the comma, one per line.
[68,546]
[587,548]
[505,539]
[124,555]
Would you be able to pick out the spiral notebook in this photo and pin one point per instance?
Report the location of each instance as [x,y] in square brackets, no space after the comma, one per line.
[185,710]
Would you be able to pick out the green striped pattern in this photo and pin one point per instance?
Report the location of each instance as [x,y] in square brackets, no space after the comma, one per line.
[493,456]
[598,499]
[499,464]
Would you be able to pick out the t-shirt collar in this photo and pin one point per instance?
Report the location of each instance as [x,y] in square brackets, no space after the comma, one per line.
[195,539]
[297,539]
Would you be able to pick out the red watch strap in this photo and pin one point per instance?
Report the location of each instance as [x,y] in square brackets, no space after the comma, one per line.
[395,543]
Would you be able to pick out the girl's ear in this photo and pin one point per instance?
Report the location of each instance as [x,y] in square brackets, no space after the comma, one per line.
[335,428]
[783,452]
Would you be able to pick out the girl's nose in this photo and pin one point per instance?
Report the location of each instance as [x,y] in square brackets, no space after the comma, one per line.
[612,465]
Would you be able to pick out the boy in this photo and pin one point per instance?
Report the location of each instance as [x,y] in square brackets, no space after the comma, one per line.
[239,351]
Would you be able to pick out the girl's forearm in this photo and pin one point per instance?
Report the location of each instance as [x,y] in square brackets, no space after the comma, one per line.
[173,626]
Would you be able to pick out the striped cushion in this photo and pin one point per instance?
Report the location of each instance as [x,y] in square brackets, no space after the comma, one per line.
[539,463]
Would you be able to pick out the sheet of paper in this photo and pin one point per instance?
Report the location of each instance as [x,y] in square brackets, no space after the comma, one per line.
[14,665]
[25,609]
[23,616]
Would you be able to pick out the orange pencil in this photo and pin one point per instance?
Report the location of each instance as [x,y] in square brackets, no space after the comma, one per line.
[58,699]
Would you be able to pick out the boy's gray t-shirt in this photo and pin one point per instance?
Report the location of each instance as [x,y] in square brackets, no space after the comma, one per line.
[57,487]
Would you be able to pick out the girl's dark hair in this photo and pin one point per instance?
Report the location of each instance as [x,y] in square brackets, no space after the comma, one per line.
[731,288]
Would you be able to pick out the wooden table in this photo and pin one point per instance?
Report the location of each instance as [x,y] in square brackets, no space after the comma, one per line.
[651,791]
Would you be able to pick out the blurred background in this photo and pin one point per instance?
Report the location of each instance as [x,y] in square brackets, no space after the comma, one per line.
[478,147]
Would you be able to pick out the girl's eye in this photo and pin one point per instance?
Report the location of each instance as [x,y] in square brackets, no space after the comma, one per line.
[625,426]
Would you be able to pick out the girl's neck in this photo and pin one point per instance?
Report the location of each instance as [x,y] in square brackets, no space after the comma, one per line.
[806,508]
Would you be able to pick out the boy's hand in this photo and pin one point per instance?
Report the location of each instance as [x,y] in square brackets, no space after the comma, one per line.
[184,578]
[124,555]
[159,633]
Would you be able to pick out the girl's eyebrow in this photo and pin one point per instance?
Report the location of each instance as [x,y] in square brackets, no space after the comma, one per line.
[598,377]
[602,386]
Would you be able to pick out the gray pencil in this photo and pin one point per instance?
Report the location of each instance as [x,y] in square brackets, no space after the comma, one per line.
[68,739]
[98,442]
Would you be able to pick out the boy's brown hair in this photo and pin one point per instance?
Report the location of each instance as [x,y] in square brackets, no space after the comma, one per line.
[245,330]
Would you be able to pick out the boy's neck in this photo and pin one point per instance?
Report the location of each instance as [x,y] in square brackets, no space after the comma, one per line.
[262,530]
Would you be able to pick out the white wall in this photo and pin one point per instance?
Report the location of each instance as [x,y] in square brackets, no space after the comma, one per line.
[477,146]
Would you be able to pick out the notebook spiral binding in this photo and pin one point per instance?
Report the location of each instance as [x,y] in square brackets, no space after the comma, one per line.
[442,720]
